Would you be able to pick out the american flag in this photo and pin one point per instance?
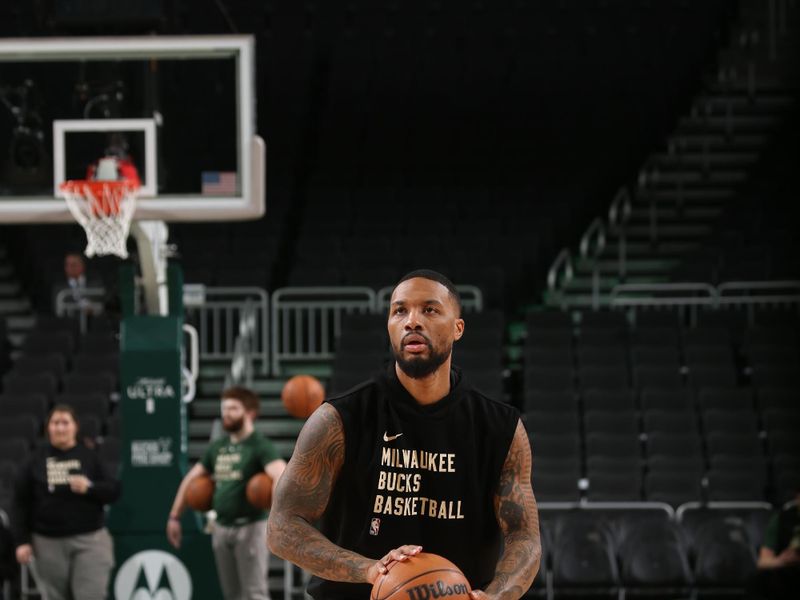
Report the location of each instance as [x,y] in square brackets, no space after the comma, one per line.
[219,183]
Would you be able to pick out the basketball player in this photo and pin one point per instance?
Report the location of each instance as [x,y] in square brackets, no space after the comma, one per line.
[414,458]
[237,539]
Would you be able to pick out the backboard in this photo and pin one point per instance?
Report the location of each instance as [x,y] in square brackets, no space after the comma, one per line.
[181,107]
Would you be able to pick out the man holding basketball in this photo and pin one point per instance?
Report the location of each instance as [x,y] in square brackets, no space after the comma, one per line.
[238,535]
[412,458]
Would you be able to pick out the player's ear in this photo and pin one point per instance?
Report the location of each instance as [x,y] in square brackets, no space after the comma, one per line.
[459,325]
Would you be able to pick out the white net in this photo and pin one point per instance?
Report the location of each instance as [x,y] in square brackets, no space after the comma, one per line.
[105,210]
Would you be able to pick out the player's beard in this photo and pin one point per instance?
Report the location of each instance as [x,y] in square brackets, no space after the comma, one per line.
[233,425]
[419,367]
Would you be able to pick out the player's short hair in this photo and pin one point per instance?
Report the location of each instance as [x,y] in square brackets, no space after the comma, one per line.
[63,408]
[433,276]
[246,396]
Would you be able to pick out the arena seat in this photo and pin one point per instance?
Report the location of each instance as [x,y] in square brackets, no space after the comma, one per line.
[547,402]
[24,426]
[87,403]
[44,384]
[34,405]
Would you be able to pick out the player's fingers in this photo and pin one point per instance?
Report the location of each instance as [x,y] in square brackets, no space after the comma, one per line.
[402,553]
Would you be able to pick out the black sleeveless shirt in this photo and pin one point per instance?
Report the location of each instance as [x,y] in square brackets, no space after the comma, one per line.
[416,474]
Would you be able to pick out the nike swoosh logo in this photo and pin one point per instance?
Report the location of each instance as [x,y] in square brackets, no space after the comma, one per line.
[389,438]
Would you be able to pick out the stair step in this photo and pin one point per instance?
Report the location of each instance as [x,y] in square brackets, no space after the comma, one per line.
[632,265]
[641,212]
[699,160]
[664,248]
[20,323]
[696,178]
[14,306]
[584,283]
[669,230]
[689,195]
[740,103]
[272,428]
[10,288]
[737,123]
[262,387]
[6,271]
[718,141]
[208,407]
[16,339]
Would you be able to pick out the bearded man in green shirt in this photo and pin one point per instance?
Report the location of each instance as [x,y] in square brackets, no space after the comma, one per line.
[239,535]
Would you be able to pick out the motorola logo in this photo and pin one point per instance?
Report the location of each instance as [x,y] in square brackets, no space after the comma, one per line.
[153,575]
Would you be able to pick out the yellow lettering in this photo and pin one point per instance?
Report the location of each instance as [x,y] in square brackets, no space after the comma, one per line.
[442,510]
[378,504]
[386,456]
[432,508]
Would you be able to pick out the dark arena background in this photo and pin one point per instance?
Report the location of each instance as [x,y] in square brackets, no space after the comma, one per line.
[612,185]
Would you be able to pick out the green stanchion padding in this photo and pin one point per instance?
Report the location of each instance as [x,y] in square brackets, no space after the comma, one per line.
[152,463]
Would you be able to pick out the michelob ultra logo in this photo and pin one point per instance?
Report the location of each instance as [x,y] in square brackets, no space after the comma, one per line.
[150,387]
[153,575]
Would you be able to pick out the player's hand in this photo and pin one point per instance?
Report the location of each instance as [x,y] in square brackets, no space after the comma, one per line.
[398,554]
[479,595]
[79,484]
[174,533]
[789,556]
[24,554]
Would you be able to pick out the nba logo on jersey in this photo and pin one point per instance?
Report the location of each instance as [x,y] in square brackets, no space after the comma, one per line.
[374,526]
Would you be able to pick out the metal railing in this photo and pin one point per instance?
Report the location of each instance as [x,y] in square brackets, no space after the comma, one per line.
[218,320]
[747,294]
[619,213]
[306,321]
[241,371]
[80,303]
[555,277]
[596,232]
[471,298]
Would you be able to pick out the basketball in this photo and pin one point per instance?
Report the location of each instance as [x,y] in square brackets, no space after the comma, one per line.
[259,491]
[200,493]
[422,576]
[302,395]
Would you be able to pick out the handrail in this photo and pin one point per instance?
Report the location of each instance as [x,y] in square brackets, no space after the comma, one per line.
[564,258]
[620,210]
[241,369]
[743,505]
[597,229]
[307,321]
[619,213]
[758,286]
[218,320]
[597,226]
[709,297]
[70,302]
[582,505]
[192,371]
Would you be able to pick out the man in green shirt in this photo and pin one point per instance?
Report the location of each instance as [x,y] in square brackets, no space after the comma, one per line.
[239,536]
[778,575]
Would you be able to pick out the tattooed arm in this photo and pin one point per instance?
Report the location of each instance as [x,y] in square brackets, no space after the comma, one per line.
[301,497]
[515,508]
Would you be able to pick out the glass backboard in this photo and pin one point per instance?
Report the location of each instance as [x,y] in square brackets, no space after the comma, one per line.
[181,107]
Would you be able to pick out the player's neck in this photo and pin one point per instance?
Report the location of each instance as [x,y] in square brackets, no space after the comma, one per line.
[243,433]
[430,389]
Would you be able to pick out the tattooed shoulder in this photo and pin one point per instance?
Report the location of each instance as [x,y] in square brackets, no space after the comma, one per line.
[315,463]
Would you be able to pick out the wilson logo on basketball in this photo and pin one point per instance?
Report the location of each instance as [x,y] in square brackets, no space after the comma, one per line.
[436,590]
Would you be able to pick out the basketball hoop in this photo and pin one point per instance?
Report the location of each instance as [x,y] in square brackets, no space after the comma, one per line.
[104,209]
